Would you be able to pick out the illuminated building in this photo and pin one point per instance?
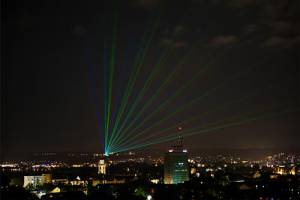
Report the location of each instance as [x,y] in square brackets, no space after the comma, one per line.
[176,169]
[193,170]
[113,181]
[37,180]
[102,167]
[282,170]
[155,181]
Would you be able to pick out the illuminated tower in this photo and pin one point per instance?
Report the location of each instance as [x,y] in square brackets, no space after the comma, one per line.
[176,169]
[102,167]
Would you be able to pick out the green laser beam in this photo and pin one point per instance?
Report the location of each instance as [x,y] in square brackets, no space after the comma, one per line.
[235,117]
[134,136]
[137,65]
[217,128]
[130,82]
[153,97]
[111,73]
[142,93]
[226,105]
[163,104]
[183,107]
[171,75]
[158,92]
[144,89]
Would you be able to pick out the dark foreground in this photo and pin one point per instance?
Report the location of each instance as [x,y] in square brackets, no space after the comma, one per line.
[284,187]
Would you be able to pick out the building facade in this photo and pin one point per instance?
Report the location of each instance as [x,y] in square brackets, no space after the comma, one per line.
[102,167]
[176,168]
[37,180]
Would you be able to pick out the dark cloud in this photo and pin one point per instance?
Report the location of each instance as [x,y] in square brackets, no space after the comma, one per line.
[268,9]
[178,30]
[175,36]
[275,22]
[166,41]
[284,28]
[251,28]
[79,30]
[223,40]
[243,3]
[180,44]
[173,43]
[279,9]
[146,4]
[277,41]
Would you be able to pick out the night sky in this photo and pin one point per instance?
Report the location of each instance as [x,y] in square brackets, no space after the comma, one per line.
[54,58]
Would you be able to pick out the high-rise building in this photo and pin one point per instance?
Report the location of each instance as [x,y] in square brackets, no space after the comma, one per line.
[102,167]
[176,169]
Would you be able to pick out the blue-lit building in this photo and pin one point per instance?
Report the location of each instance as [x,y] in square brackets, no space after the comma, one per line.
[176,168]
